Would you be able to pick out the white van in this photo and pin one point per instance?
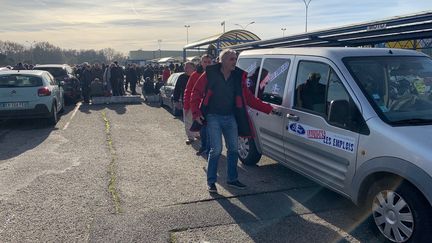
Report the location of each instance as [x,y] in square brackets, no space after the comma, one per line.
[356,120]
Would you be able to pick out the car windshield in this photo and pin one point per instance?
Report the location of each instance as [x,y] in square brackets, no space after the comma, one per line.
[17,80]
[398,87]
[56,72]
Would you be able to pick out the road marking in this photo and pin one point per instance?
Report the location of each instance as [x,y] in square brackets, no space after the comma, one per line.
[73,114]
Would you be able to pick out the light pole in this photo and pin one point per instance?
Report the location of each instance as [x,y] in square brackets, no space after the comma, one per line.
[31,50]
[306,2]
[283,32]
[159,47]
[187,33]
[253,22]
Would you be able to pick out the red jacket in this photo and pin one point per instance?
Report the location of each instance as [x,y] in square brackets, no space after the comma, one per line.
[188,91]
[201,95]
[165,75]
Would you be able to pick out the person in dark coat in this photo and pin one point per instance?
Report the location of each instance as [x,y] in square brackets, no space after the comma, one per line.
[86,79]
[131,77]
[116,80]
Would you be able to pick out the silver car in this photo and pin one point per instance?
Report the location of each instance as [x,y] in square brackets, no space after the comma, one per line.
[167,92]
[356,120]
[30,94]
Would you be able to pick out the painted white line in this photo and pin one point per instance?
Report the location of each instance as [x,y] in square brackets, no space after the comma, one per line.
[73,114]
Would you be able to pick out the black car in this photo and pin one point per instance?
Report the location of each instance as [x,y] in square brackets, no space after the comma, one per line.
[63,72]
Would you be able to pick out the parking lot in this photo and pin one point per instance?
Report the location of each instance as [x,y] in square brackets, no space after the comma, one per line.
[123,173]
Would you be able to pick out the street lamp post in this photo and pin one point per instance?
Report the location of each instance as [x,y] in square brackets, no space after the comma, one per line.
[187,33]
[283,32]
[306,2]
[253,22]
[159,47]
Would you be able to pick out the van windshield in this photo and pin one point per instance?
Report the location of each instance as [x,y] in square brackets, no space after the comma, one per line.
[398,87]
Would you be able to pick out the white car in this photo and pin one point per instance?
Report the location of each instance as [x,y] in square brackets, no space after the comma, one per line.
[30,94]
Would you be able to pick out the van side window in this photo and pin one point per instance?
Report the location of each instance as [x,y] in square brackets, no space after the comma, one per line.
[252,67]
[341,109]
[311,85]
[272,80]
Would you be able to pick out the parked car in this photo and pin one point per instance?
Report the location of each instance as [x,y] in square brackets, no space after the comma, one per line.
[356,120]
[167,92]
[30,94]
[63,72]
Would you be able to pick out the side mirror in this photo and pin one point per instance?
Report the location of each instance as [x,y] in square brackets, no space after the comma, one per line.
[339,112]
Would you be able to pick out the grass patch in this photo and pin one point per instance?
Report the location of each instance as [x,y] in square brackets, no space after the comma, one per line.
[112,185]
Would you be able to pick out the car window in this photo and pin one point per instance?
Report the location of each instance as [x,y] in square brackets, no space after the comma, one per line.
[319,90]
[18,80]
[56,72]
[50,79]
[252,67]
[272,80]
[311,85]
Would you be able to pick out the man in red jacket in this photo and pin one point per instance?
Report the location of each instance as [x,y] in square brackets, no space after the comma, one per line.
[219,98]
[205,61]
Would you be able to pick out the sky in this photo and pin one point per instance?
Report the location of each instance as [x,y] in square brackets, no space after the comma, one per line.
[139,24]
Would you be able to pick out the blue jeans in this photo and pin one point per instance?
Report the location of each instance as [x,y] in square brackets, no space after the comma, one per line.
[204,139]
[216,126]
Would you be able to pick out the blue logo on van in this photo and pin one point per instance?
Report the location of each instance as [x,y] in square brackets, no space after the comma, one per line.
[297,128]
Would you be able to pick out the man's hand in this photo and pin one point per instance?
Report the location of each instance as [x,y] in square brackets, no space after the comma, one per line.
[199,119]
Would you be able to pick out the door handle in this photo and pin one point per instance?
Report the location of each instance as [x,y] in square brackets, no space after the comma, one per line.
[293,117]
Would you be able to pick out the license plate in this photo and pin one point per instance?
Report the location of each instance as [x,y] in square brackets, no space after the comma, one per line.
[13,105]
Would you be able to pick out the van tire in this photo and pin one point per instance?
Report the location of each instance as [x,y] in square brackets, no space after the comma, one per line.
[248,153]
[416,207]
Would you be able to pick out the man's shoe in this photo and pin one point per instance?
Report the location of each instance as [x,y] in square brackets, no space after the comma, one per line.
[189,141]
[212,188]
[237,184]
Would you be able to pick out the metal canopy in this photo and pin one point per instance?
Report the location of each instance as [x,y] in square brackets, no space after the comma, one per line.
[416,26]
[223,40]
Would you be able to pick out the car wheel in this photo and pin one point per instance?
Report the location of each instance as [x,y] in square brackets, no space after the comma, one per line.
[247,151]
[399,212]
[53,119]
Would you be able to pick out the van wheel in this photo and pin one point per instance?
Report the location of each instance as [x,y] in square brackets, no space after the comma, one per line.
[53,119]
[399,212]
[247,151]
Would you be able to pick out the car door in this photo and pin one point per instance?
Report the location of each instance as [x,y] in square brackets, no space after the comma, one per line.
[322,125]
[270,88]
[56,90]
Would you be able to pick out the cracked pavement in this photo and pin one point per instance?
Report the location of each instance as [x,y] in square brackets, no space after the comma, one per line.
[54,187]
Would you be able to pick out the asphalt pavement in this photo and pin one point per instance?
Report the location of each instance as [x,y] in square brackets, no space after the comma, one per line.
[123,173]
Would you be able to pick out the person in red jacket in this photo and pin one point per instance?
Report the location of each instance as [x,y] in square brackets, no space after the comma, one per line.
[205,61]
[219,98]
[165,74]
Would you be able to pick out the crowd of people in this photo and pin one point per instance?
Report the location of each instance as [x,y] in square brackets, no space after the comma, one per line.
[113,79]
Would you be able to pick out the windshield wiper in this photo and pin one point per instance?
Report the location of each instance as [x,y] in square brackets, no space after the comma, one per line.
[413,121]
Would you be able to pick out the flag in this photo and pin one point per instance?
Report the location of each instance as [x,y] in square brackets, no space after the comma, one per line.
[223,23]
